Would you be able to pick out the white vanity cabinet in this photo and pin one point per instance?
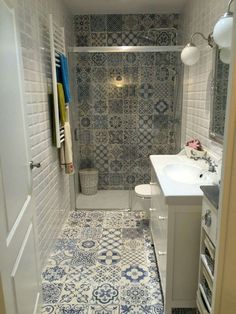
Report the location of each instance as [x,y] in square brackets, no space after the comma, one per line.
[176,235]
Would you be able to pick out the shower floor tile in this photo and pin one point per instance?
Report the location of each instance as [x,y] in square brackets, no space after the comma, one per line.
[106,199]
[102,262]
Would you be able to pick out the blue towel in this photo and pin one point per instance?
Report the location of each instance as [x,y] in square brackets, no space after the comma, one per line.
[64,78]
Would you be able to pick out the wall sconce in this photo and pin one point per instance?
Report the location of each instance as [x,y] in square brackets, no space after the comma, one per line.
[223,29]
[191,54]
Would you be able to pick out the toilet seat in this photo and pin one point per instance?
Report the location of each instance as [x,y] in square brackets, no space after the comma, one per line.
[143,190]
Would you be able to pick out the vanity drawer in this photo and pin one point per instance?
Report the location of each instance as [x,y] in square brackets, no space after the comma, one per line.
[209,220]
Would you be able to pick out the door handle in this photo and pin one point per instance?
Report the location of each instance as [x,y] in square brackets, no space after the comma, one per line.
[34,165]
[162,217]
[161,253]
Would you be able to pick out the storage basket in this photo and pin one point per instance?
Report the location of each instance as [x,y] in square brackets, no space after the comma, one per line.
[89,181]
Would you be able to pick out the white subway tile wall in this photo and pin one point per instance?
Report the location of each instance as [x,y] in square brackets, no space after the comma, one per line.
[199,16]
[50,185]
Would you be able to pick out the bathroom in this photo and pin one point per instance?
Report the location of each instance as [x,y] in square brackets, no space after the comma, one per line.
[151,96]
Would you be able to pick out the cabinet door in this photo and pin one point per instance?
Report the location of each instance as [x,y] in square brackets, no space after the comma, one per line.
[159,220]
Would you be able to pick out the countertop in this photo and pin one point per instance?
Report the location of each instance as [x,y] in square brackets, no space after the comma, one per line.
[212,193]
[178,193]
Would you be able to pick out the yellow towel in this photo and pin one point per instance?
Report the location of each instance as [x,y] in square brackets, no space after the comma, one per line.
[62,104]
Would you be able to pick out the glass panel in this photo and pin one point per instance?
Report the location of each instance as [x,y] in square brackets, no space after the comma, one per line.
[127,107]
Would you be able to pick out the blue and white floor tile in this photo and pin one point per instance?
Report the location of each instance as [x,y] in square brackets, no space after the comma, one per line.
[103,263]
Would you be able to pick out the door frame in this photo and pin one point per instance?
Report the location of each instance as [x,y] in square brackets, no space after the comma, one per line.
[224,298]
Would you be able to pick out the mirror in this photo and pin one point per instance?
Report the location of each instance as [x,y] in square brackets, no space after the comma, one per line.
[219,96]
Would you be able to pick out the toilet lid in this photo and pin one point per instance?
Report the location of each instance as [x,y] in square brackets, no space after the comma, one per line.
[143,190]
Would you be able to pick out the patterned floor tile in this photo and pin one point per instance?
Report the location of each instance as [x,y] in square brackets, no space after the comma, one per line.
[61,258]
[134,274]
[55,273]
[51,292]
[87,245]
[133,257]
[76,293]
[144,309]
[109,257]
[111,239]
[79,274]
[71,309]
[98,309]
[132,233]
[84,258]
[103,262]
[92,233]
[133,244]
[71,233]
[105,293]
[107,274]
[135,294]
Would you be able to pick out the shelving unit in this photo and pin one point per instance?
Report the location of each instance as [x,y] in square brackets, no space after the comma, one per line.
[207,258]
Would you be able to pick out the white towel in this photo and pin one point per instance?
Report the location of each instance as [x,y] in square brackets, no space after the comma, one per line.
[66,150]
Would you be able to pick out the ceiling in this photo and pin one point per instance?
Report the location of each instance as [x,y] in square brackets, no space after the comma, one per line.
[124,6]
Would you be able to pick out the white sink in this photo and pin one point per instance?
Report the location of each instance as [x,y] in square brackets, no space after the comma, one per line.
[183,173]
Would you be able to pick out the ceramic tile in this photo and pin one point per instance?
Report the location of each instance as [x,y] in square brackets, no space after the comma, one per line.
[98,39]
[98,23]
[106,293]
[114,39]
[103,262]
[81,23]
[114,23]
[76,293]
[110,309]
[83,39]
[115,115]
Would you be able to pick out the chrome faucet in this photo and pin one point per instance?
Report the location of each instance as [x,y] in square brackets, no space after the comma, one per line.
[211,163]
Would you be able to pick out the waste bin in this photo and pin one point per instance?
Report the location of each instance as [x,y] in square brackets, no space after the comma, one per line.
[89,180]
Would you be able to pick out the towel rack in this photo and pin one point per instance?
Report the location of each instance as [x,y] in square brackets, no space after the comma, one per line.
[57,46]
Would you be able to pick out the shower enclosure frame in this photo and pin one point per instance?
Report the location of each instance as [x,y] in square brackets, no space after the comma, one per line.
[115,49]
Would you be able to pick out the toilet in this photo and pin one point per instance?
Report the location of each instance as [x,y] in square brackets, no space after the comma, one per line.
[142,199]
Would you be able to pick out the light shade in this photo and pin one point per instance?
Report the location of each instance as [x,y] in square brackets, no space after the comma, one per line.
[225,55]
[222,32]
[190,55]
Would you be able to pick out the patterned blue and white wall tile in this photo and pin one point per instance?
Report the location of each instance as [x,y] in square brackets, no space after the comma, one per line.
[126,101]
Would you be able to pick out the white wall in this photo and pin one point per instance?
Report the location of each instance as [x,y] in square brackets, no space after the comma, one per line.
[199,16]
[50,184]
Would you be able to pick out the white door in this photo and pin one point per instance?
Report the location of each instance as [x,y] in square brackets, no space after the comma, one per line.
[18,254]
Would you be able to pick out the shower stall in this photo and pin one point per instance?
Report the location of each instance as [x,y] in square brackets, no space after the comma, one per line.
[127,106]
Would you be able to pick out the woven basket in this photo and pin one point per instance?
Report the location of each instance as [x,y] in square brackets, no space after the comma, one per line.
[89,181]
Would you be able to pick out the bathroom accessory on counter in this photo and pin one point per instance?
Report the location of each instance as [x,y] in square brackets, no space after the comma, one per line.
[194,149]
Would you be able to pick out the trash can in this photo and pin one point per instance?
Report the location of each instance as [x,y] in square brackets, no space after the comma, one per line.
[89,180]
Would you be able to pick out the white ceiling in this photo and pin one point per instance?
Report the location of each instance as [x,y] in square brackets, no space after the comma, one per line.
[124,6]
